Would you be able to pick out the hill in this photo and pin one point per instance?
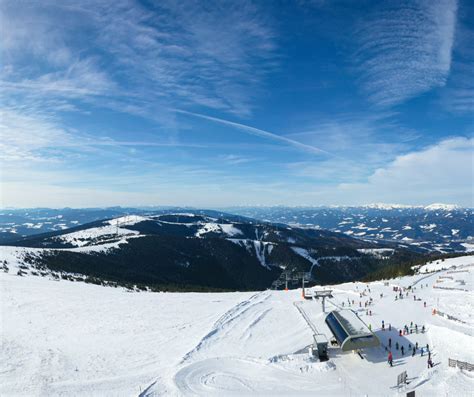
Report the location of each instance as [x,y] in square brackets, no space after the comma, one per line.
[189,251]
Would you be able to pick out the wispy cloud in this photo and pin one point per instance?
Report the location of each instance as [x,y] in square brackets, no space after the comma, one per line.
[185,54]
[458,95]
[405,49]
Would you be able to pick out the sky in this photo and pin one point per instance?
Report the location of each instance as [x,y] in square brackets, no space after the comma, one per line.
[222,103]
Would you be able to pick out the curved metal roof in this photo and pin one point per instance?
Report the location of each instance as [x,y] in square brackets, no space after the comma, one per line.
[350,331]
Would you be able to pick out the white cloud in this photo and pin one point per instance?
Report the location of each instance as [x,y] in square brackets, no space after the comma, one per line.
[406,49]
[440,173]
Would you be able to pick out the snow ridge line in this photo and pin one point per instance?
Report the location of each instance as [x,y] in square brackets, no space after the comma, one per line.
[226,319]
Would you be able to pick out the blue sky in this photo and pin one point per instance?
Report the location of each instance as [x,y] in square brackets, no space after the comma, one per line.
[212,104]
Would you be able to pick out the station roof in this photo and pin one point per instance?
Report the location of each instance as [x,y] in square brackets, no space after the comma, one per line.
[350,331]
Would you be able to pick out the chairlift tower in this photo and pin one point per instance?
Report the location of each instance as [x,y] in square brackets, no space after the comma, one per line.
[302,275]
[323,294]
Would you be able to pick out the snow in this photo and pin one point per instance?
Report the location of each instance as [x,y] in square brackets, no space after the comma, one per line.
[67,338]
[86,237]
[429,227]
[15,256]
[377,252]
[305,254]
[230,229]
[127,220]
[440,206]
[261,248]
[383,206]
[209,227]
[468,246]
[446,264]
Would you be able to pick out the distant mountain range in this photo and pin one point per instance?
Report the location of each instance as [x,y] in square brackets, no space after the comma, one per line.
[437,227]
[193,250]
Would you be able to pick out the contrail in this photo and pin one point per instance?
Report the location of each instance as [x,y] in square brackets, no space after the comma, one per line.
[257,132]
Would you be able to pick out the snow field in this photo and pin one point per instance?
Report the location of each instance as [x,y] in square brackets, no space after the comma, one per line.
[65,338]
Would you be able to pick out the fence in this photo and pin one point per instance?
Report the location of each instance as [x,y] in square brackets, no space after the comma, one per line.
[449,317]
[451,288]
[460,364]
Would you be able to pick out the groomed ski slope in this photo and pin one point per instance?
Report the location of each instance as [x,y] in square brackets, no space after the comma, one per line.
[65,338]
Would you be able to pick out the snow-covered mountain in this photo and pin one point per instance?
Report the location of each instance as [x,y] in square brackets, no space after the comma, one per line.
[68,338]
[437,227]
[192,251]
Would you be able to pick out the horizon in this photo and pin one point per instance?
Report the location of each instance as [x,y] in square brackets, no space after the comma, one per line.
[171,207]
[214,105]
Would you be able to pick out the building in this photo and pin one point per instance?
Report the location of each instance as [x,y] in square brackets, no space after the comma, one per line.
[350,331]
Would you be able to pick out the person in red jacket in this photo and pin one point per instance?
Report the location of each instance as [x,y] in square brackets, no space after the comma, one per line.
[390,358]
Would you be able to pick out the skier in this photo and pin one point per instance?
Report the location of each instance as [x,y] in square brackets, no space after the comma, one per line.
[430,363]
[423,329]
[389,327]
[390,358]
[383,325]
[416,345]
[424,304]
[389,342]
[403,350]
[414,352]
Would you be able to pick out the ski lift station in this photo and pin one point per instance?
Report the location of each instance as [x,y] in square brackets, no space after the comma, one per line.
[350,331]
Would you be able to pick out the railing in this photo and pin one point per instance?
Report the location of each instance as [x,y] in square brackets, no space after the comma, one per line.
[460,364]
